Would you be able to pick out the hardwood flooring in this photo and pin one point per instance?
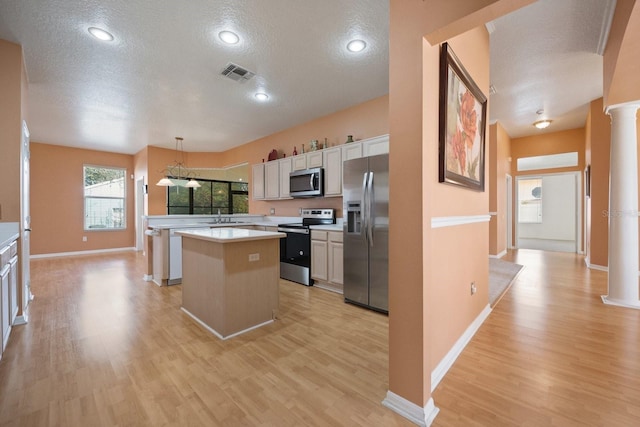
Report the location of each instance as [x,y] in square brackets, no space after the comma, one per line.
[104,348]
[550,354]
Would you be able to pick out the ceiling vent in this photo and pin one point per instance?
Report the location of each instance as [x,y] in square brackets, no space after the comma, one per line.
[237,73]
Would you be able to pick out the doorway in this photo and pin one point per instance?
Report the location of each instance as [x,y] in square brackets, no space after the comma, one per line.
[547,209]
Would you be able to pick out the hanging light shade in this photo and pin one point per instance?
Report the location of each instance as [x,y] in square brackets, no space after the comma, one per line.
[165,182]
[178,171]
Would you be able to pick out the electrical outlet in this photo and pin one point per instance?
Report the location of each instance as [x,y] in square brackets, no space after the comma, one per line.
[473,288]
[254,257]
[272,211]
[84,238]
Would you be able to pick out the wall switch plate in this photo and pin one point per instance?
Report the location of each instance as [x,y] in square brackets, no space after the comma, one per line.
[254,257]
[84,238]
[272,211]
[473,288]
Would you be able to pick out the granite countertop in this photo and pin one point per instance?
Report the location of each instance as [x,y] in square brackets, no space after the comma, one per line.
[9,231]
[229,235]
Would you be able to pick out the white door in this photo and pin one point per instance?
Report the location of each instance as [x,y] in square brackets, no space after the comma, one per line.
[25,223]
[547,210]
[139,213]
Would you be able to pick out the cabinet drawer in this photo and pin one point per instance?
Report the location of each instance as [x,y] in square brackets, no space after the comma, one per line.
[318,235]
[335,236]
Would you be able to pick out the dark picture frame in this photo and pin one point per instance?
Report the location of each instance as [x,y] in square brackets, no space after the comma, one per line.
[462,127]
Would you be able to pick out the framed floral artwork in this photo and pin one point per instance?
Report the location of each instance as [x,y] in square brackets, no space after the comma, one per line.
[463,116]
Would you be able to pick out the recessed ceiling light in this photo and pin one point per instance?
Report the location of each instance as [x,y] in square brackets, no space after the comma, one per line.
[541,124]
[228,37]
[356,45]
[260,96]
[100,34]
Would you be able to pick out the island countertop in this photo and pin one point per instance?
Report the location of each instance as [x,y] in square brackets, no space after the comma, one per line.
[229,235]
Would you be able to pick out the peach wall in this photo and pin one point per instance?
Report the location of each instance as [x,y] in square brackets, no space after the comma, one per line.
[57,202]
[621,64]
[11,111]
[419,301]
[465,246]
[549,143]
[453,18]
[499,167]
[598,140]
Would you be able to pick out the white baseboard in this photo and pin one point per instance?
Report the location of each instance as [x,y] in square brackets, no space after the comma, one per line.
[93,252]
[414,413]
[216,333]
[626,304]
[147,277]
[500,255]
[447,362]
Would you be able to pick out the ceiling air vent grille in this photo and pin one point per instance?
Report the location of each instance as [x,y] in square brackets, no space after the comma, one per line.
[237,73]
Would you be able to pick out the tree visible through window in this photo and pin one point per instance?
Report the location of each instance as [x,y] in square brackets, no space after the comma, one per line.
[104,198]
[228,197]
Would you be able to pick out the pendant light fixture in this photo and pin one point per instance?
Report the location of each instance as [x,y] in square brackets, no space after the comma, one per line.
[178,171]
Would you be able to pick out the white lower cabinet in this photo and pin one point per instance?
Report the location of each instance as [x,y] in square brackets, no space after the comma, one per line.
[327,260]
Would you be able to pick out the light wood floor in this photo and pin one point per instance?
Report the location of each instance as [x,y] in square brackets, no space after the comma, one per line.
[105,348]
[550,354]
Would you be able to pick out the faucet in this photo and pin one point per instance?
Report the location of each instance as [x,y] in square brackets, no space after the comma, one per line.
[219,216]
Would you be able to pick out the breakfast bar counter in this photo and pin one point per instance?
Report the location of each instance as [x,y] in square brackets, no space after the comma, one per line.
[230,278]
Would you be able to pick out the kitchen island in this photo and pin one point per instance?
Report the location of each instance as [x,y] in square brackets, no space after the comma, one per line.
[230,278]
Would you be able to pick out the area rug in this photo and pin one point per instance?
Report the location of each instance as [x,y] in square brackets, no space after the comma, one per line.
[501,276]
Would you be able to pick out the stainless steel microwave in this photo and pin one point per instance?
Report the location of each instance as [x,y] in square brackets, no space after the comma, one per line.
[307,183]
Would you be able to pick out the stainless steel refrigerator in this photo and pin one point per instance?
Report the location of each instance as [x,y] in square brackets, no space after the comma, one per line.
[365,196]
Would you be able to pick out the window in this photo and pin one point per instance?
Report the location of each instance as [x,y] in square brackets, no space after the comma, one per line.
[228,197]
[104,195]
[530,200]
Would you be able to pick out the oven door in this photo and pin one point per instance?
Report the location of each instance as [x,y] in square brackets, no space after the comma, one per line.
[296,247]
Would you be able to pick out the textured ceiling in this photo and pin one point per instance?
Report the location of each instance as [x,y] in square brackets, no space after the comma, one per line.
[160,77]
[548,56]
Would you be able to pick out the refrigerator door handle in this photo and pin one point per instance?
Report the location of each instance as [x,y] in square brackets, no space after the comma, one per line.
[363,206]
[370,202]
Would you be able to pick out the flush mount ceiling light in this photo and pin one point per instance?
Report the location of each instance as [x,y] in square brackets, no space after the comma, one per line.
[100,34]
[261,96]
[228,37]
[541,124]
[178,171]
[356,45]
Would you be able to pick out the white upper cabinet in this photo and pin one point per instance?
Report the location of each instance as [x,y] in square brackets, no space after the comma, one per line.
[332,171]
[272,179]
[375,146]
[257,181]
[314,159]
[285,169]
[299,162]
[352,150]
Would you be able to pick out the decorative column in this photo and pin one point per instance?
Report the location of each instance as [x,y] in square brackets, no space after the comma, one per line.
[623,207]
